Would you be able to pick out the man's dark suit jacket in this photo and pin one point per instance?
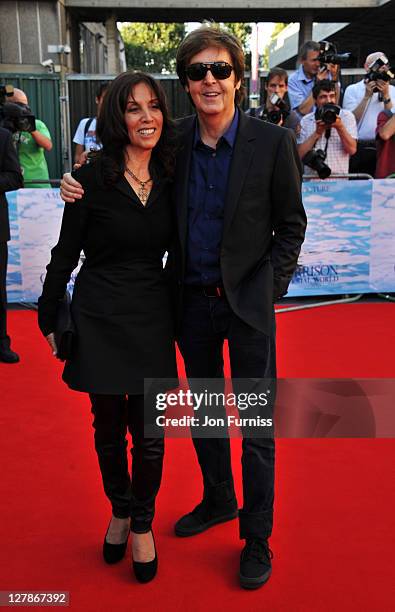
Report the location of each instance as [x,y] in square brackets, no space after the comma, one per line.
[10,179]
[264,222]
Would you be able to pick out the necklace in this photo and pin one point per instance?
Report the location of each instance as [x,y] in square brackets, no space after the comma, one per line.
[143,192]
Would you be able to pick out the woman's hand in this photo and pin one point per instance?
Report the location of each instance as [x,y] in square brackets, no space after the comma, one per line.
[70,189]
[51,341]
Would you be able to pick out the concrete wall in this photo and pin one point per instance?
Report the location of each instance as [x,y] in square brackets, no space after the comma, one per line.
[26,30]
[28,27]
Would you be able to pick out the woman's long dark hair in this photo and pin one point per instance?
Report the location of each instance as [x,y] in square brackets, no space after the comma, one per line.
[113,134]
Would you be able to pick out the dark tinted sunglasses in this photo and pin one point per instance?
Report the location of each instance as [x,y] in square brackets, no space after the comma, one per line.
[219,70]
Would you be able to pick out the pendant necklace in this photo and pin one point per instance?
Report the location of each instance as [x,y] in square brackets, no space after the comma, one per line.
[143,192]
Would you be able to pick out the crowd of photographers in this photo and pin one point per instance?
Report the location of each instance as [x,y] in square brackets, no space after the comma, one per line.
[354,137]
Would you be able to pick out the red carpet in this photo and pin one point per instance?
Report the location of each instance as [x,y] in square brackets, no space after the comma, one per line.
[333,539]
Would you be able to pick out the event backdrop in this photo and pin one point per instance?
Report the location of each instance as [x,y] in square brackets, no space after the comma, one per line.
[349,246]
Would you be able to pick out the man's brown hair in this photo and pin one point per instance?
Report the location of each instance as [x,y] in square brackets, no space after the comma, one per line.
[212,35]
[277,72]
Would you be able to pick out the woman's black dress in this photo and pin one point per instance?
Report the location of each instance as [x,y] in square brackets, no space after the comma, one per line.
[121,304]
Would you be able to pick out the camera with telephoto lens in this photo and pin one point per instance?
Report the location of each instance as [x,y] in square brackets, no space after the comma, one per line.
[329,55]
[315,160]
[275,115]
[327,113]
[15,117]
[379,70]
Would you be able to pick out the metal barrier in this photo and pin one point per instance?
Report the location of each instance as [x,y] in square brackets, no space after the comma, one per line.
[354,176]
[53,182]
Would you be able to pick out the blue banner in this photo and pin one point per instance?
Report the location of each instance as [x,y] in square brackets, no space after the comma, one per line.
[350,238]
[349,246]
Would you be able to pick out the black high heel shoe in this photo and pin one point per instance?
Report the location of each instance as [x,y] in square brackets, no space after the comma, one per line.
[145,572]
[112,553]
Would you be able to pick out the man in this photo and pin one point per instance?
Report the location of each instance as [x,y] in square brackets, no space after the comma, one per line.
[366,99]
[385,144]
[10,179]
[276,87]
[85,135]
[240,226]
[31,146]
[302,81]
[338,140]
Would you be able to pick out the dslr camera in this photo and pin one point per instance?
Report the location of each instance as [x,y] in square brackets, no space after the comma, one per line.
[15,117]
[377,72]
[329,55]
[327,113]
[275,115]
[315,159]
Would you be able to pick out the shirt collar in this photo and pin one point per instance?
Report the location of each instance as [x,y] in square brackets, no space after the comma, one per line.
[302,75]
[229,136]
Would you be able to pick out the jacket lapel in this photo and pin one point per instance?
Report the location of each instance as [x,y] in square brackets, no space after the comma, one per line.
[241,160]
[181,184]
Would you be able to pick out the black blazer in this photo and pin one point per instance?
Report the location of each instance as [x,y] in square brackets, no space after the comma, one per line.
[10,179]
[264,223]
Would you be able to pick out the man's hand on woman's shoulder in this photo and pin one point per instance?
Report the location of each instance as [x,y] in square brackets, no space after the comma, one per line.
[70,189]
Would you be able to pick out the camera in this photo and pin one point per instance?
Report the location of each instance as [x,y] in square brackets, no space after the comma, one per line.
[15,117]
[275,115]
[327,113]
[315,159]
[329,55]
[377,73]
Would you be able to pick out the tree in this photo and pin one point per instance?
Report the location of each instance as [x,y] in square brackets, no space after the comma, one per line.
[152,47]
[243,33]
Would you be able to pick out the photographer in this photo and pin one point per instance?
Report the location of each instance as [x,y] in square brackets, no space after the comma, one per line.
[276,108]
[85,135]
[385,144]
[31,146]
[10,179]
[366,99]
[328,136]
[310,71]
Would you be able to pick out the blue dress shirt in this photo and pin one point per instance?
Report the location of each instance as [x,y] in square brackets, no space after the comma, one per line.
[208,183]
[299,87]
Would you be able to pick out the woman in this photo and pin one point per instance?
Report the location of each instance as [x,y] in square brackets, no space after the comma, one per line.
[121,303]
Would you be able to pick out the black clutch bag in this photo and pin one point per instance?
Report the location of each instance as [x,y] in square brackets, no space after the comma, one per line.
[65,329]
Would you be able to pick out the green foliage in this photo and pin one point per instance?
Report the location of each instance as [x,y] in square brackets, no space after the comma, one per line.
[278,28]
[242,31]
[152,47]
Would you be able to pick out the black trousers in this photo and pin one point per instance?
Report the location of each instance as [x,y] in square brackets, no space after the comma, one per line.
[206,323]
[129,496]
[3,294]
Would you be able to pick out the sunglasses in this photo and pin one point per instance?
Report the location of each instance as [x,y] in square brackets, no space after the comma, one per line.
[219,70]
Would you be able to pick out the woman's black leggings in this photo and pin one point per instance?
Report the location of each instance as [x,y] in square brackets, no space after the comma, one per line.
[129,496]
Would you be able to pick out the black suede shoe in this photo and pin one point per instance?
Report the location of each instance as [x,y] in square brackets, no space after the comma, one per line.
[205,515]
[255,564]
[8,356]
[146,571]
[112,553]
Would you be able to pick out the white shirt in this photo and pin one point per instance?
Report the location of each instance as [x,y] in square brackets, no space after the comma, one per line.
[368,122]
[336,157]
[89,141]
